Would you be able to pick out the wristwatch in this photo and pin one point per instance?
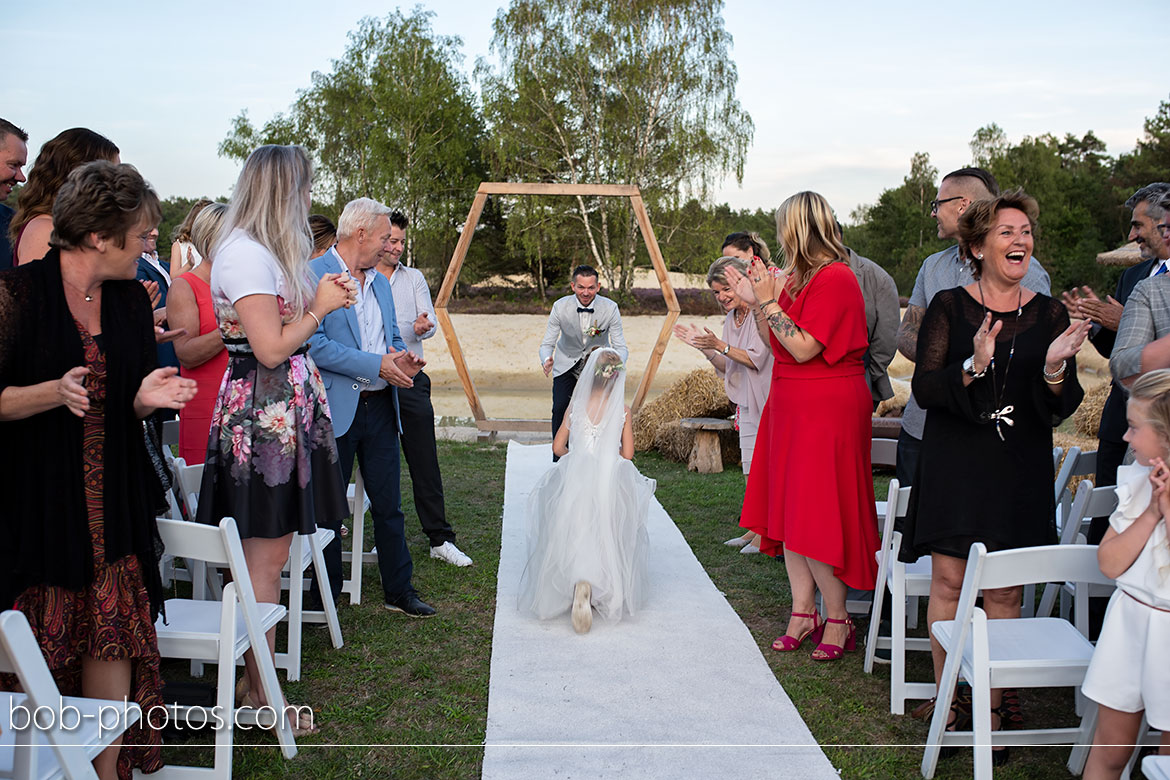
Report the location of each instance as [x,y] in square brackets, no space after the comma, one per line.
[969,368]
[726,349]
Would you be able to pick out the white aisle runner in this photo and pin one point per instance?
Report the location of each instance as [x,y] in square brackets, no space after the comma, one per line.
[680,691]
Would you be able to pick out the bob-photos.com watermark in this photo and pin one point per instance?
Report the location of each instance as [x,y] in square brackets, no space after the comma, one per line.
[117,718]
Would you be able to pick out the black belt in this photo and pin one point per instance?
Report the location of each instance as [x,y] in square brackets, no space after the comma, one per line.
[369,393]
[239,347]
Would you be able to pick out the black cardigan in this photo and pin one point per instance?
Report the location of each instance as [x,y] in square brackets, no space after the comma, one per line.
[44,529]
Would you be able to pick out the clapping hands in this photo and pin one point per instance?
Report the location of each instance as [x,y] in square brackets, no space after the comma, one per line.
[761,283]
[335,291]
[1067,344]
[698,337]
[1084,304]
[399,368]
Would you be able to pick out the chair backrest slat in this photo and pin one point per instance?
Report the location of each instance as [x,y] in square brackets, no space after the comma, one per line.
[1048,563]
[1066,471]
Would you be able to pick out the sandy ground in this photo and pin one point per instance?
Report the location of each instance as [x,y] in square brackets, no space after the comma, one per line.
[502,353]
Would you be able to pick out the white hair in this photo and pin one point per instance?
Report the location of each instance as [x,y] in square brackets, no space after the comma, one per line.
[359,213]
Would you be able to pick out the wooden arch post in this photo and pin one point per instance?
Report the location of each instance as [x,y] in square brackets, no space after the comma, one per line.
[482,421]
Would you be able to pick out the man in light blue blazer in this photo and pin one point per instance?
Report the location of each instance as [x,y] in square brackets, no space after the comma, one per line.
[363,360]
[578,324]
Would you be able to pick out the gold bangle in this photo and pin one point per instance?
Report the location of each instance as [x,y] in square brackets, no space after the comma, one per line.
[1055,382]
[314,316]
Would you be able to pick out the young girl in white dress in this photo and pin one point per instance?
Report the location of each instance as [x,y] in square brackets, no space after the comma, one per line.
[1129,672]
[587,541]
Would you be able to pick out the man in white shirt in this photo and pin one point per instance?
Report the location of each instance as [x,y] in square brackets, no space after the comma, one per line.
[416,321]
[364,362]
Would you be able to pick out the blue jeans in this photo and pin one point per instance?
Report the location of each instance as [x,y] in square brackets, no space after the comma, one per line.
[373,437]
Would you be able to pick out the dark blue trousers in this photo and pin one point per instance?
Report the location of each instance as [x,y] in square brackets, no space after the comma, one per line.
[373,438]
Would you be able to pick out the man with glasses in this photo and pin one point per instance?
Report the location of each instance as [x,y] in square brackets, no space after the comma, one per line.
[1107,316]
[942,271]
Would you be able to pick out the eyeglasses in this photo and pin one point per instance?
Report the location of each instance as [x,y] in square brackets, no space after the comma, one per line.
[934,204]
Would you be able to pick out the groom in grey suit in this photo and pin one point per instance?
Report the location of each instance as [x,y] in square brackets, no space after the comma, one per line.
[576,325]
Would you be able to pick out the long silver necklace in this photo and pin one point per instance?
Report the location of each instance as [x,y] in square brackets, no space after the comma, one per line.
[1000,415]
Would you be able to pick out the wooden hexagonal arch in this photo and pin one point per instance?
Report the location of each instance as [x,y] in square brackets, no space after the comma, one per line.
[482,421]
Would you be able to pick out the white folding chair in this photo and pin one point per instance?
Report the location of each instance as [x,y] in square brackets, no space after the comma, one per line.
[1065,471]
[904,581]
[1090,502]
[306,550]
[356,494]
[883,452]
[46,735]
[301,556]
[205,583]
[1036,652]
[220,632]
[1155,768]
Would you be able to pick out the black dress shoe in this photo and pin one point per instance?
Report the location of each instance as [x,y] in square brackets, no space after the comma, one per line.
[410,604]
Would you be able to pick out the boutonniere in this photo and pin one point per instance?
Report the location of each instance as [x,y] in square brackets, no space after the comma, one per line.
[594,331]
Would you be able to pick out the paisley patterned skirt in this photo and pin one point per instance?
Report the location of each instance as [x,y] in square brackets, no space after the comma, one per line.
[109,620]
[271,457]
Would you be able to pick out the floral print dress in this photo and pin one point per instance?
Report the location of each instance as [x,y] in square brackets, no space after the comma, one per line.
[271,456]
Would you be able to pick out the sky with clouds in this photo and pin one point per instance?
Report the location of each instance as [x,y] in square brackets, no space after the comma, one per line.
[842,94]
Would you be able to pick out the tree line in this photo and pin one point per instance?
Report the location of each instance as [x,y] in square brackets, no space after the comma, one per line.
[643,92]
[1081,191]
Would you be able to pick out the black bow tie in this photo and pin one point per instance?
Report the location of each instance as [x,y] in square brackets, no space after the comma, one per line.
[582,308]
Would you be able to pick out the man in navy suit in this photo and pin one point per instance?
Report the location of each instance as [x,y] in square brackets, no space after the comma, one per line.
[363,360]
[151,270]
[1106,316]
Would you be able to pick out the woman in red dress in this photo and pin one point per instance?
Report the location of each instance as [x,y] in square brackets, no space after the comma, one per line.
[200,350]
[811,493]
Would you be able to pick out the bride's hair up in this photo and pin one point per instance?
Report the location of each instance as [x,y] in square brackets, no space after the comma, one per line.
[609,364]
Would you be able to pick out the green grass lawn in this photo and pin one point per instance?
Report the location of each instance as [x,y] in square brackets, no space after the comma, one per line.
[417,689]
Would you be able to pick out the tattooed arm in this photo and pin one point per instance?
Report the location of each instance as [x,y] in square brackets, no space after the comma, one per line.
[799,344]
[908,332]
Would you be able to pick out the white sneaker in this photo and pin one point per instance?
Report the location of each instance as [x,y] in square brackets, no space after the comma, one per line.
[447,551]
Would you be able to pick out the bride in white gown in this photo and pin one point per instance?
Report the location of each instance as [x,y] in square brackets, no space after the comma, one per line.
[587,542]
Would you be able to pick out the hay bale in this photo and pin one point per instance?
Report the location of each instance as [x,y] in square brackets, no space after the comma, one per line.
[1087,418]
[675,443]
[698,394]
[892,407]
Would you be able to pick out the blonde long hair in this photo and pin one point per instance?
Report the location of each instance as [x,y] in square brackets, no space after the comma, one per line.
[1153,387]
[269,204]
[807,232]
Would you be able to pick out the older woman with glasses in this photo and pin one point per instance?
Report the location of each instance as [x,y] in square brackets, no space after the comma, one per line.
[743,359]
[77,376]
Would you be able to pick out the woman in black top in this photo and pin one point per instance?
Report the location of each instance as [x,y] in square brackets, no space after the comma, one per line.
[79,547]
[996,369]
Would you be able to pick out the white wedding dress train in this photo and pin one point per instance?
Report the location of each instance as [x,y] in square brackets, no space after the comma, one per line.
[586,517]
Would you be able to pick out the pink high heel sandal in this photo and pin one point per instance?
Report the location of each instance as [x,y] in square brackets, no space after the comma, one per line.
[786,644]
[825,652]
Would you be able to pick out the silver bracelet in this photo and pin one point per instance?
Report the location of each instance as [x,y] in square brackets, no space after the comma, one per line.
[314,316]
[1056,375]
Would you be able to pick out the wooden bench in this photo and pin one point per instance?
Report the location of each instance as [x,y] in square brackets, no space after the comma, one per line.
[706,453]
